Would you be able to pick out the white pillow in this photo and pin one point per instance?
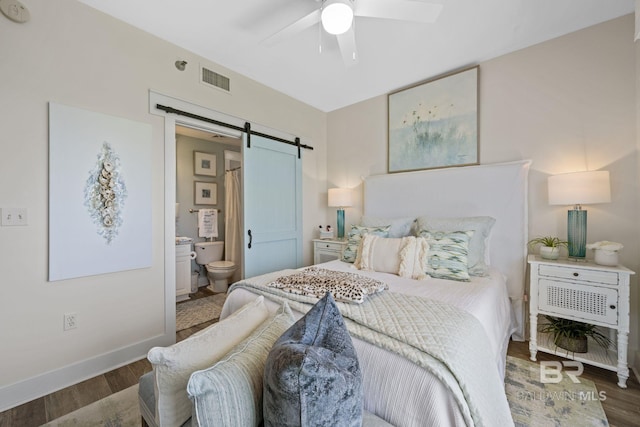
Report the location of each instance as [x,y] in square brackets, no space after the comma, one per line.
[405,256]
[173,365]
[378,254]
[399,227]
[478,256]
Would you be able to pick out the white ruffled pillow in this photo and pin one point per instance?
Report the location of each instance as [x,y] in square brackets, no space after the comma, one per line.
[405,256]
[173,365]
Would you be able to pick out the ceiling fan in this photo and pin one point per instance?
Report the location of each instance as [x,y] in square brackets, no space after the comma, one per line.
[337,18]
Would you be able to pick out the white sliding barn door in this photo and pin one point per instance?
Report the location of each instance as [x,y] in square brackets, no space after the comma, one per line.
[272,174]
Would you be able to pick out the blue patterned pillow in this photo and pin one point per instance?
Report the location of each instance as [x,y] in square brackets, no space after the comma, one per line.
[355,236]
[448,254]
[478,257]
[312,376]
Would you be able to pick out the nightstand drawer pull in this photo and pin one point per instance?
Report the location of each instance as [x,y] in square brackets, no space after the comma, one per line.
[330,245]
[576,274]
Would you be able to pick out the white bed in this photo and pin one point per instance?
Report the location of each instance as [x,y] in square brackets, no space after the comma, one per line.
[411,396]
[395,388]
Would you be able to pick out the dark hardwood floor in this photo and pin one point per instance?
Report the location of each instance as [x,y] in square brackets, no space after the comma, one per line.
[622,406]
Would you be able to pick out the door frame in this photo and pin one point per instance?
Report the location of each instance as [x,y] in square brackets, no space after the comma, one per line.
[170,122]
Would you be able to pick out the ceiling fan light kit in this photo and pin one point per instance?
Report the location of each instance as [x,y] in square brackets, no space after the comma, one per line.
[337,16]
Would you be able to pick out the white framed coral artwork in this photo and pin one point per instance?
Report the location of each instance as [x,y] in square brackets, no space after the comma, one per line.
[99,193]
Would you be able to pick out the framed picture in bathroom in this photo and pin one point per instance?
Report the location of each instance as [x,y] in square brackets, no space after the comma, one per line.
[206,193]
[204,163]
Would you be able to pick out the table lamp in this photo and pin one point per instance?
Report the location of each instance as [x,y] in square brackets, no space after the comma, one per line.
[577,189]
[340,198]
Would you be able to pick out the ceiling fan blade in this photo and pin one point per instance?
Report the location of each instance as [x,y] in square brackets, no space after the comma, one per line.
[347,44]
[404,10]
[292,29]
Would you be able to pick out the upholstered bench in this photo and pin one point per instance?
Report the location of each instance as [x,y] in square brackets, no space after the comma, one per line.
[147,401]
[215,377]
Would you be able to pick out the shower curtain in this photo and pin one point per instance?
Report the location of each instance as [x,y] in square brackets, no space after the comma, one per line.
[233,221]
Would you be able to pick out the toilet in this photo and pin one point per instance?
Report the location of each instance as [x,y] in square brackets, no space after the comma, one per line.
[209,254]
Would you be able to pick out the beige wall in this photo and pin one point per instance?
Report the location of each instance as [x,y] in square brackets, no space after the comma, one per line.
[568,105]
[71,54]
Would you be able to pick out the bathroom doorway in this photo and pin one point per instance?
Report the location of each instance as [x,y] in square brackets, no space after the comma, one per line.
[176,112]
[204,161]
[224,153]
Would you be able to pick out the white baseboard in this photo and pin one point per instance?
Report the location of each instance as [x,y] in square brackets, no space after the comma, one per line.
[49,382]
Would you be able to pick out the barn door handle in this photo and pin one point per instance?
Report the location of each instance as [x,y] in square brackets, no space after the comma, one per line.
[250,239]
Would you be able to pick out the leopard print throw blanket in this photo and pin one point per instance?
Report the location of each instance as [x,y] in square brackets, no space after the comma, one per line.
[316,282]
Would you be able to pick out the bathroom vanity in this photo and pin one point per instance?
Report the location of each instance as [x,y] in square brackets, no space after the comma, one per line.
[184,255]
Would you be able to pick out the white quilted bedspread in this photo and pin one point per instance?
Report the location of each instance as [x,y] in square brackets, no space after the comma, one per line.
[443,339]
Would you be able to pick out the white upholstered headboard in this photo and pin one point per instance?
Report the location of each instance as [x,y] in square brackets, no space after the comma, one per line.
[497,190]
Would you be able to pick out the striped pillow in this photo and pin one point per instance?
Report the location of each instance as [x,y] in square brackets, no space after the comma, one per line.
[230,392]
[405,256]
[173,365]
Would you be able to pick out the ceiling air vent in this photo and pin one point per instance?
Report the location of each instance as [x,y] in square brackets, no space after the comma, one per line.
[211,78]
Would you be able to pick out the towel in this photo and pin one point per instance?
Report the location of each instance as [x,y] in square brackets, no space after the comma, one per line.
[208,223]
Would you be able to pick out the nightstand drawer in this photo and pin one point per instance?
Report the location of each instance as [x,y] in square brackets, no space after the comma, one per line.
[327,250]
[581,274]
[578,300]
[331,246]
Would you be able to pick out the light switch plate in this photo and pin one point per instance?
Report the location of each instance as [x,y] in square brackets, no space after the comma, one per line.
[13,216]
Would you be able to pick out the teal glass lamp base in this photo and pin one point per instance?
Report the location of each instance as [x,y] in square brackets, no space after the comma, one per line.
[577,233]
[340,223]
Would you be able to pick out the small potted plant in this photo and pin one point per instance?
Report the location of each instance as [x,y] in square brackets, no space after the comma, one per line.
[572,335]
[550,246]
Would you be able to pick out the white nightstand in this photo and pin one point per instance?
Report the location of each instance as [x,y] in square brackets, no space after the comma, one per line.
[586,292]
[325,250]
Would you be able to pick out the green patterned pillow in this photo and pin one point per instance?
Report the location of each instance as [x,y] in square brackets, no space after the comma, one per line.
[355,236]
[448,254]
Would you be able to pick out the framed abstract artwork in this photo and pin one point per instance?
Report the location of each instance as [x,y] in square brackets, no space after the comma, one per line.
[435,123]
[204,164]
[99,193]
[206,193]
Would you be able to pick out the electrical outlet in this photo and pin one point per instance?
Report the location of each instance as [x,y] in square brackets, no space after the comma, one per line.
[70,321]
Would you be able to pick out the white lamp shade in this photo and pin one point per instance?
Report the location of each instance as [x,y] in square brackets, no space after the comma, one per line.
[340,197]
[337,16]
[579,188]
